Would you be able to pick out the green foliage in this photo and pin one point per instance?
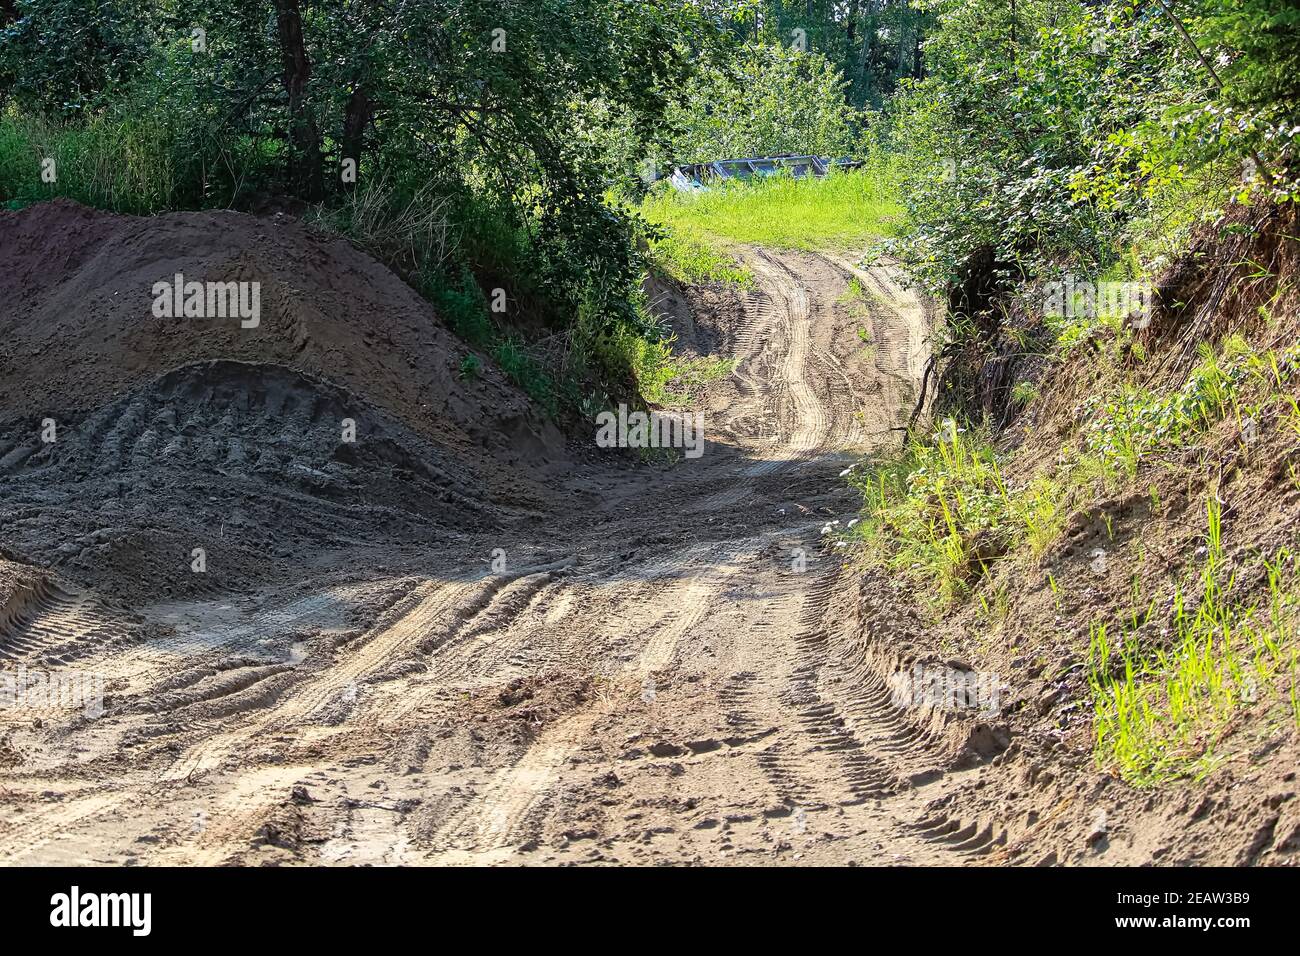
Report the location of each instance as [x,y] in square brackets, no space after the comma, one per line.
[462,305]
[513,356]
[59,58]
[411,233]
[1023,393]
[942,512]
[873,45]
[1130,424]
[460,118]
[470,366]
[685,253]
[620,358]
[1052,132]
[676,381]
[1017,101]
[770,100]
[125,165]
[1253,46]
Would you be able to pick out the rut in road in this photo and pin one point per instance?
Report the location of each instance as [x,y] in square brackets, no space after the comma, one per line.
[667,677]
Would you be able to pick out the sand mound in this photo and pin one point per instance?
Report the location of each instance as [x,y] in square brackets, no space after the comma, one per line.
[337,422]
[79,328]
[245,461]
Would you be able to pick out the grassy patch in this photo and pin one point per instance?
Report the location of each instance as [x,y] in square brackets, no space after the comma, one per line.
[686,255]
[678,380]
[843,210]
[942,512]
[126,165]
[1130,424]
[1159,711]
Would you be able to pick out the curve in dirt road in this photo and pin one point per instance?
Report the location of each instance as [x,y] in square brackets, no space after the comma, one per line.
[629,692]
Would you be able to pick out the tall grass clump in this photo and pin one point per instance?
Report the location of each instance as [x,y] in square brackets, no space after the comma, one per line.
[942,511]
[120,163]
[1165,687]
[408,231]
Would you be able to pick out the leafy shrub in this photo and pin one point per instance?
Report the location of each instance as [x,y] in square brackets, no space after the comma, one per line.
[771,99]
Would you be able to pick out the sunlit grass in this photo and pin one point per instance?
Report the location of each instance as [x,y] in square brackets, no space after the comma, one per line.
[842,210]
[1158,710]
[942,512]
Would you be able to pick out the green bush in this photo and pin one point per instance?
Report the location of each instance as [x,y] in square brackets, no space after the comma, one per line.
[768,100]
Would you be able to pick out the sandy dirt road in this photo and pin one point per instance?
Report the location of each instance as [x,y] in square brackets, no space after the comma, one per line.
[672,672]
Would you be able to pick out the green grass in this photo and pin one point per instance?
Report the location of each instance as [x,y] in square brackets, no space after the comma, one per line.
[1131,424]
[470,367]
[678,380]
[942,512]
[1159,710]
[844,210]
[124,165]
[685,254]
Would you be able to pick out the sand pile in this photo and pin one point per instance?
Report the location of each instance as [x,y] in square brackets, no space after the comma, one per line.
[335,417]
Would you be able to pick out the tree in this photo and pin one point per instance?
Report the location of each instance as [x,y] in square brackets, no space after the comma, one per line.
[305,164]
[771,100]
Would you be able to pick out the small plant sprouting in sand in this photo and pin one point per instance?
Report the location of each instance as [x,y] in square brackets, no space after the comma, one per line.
[1024,393]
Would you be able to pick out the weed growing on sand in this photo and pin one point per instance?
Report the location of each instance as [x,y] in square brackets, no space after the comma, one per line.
[470,367]
[1165,684]
[942,511]
[1131,424]
[512,355]
[606,353]
[1024,393]
[679,380]
[853,293]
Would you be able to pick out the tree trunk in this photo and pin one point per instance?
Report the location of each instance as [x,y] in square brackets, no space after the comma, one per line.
[356,117]
[868,41]
[306,170]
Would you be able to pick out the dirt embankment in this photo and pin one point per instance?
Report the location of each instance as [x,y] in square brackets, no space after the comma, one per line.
[337,414]
[1124,556]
